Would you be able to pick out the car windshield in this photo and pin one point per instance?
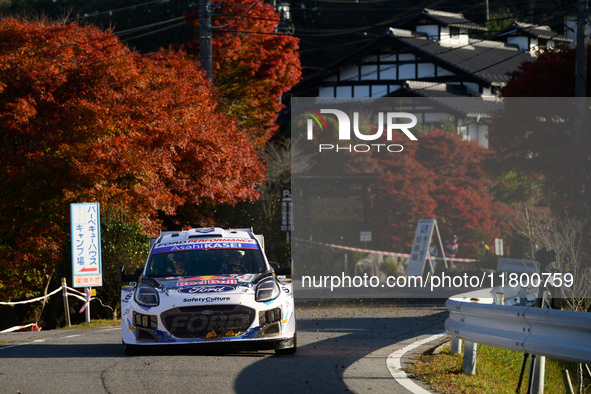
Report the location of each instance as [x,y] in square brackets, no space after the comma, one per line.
[206,262]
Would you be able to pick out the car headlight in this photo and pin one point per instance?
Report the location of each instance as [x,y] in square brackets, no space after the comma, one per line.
[146,295]
[267,290]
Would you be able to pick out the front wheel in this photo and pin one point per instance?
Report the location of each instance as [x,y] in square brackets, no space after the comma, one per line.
[130,350]
[289,350]
[286,352]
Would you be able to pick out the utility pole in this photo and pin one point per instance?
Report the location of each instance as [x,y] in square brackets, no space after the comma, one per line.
[580,103]
[581,56]
[205,37]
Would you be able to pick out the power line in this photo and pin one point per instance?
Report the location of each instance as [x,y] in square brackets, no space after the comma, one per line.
[156,31]
[240,18]
[110,12]
[144,27]
[345,31]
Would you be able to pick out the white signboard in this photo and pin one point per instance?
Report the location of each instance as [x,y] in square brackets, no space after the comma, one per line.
[420,247]
[86,245]
[499,246]
[365,236]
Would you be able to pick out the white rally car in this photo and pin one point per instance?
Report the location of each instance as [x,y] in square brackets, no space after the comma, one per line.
[209,285]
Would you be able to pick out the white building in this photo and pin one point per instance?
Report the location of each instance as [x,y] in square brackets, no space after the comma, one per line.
[432,55]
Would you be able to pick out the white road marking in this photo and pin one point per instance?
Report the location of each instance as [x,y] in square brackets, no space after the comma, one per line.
[395,365]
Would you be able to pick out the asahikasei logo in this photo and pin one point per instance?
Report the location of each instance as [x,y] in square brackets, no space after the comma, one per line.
[388,122]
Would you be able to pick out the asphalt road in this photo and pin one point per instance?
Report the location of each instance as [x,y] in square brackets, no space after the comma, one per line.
[342,348]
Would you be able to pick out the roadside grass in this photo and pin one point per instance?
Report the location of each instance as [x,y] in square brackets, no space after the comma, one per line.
[497,371]
[98,323]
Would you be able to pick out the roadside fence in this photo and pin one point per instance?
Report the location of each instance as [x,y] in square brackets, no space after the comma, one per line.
[66,292]
[395,254]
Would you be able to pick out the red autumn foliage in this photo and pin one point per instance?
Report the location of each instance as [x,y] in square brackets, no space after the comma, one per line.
[403,196]
[534,135]
[551,74]
[252,65]
[440,177]
[84,119]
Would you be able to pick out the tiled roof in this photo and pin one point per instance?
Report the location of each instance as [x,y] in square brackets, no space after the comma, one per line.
[488,60]
[450,98]
[536,31]
[484,62]
[445,19]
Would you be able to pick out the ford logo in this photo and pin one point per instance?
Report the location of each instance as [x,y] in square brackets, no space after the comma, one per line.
[207,312]
[206,289]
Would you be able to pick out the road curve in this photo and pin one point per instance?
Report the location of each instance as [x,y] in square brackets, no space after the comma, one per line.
[343,347]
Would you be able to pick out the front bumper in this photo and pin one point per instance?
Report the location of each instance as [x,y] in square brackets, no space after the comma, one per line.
[272,327]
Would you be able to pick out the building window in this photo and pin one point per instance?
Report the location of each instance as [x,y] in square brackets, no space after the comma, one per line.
[454,32]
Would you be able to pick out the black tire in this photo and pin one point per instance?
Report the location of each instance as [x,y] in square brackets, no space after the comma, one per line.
[289,350]
[286,352]
[130,350]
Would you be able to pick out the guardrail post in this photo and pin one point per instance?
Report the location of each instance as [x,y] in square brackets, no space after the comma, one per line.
[539,375]
[469,364]
[455,345]
[523,296]
[499,298]
[66,306]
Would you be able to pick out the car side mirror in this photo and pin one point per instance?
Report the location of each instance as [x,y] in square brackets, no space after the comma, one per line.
[284,271]
[129,278]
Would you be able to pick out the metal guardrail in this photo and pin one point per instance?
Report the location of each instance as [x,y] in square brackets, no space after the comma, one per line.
[558,334]
[520,266]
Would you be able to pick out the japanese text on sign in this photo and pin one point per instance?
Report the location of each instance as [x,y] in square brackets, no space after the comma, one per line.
[86,245]
[420,247]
